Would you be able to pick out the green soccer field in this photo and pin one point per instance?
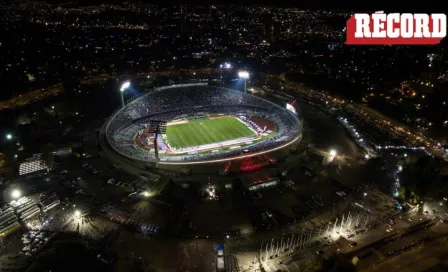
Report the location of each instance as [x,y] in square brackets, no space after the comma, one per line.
[206,131]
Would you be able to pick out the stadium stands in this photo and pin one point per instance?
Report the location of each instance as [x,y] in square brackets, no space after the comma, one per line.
[171,102]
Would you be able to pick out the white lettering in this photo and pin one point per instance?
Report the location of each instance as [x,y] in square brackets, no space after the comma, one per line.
[362,25]
[407,25]
[421,26]
[438,25]
[392,31]
[396,25]
[378,25]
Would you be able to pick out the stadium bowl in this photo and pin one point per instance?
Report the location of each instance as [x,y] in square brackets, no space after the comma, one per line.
[200,124]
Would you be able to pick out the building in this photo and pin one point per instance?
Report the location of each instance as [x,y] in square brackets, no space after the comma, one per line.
[259,180]
[33,165]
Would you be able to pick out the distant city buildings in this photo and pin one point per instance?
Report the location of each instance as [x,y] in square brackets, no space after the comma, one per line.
[46,45]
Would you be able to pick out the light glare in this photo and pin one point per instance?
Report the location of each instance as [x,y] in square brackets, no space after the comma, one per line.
[243,74]
[125,85]
[16,193]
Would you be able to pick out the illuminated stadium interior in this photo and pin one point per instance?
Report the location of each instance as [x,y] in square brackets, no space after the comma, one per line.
[203,123]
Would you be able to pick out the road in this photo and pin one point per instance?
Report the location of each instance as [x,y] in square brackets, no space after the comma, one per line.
[415,260]
[380,120]
[245,255]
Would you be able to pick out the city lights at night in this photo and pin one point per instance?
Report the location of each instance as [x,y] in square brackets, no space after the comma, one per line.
[141,136]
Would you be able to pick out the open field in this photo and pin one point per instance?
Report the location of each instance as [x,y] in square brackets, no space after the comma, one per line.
[206,131]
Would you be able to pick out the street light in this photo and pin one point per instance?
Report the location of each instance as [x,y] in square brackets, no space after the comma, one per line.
[16,193]
[8,136]
[123,87]
[77,213]
[333,153]
[145,193]
[244,75]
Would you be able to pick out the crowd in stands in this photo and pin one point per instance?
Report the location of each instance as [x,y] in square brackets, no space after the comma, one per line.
[253,124]
[171,103]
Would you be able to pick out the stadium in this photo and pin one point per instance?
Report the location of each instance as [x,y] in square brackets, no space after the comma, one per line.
[197,123]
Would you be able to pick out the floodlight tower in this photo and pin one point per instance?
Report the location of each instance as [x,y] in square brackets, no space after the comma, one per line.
[123,87]
[244,75]
[226,66]
[156,127]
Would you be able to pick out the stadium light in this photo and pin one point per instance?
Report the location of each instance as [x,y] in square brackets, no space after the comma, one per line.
[16,193]
[244,75]
[123,87]
[226,65]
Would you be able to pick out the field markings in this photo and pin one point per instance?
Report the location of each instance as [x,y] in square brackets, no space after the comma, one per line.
[245,126]
[206,131]
[234,157]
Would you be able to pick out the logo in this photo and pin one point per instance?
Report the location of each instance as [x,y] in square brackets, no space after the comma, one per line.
[396,28]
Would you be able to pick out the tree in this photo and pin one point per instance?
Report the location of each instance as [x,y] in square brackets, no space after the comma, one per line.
[23,119]
[337,263]
[67,256]
[47,155]
[312,265]
[425,177]
[376,174]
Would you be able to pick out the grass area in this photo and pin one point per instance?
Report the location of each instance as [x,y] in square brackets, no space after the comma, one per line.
[206,131]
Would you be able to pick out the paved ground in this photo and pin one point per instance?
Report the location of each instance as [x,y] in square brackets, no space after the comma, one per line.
[419,259]
[245,253]
[164,254]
